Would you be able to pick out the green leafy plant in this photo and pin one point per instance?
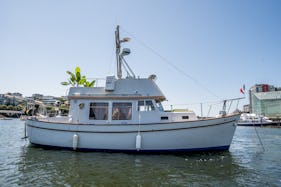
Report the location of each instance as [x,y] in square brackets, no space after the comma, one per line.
[76,79]
[89,84]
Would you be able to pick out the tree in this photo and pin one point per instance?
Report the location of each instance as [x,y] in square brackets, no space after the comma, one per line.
[19,107]
[64,109]
[3,107]
[76,79]
[61,99]
[10,107]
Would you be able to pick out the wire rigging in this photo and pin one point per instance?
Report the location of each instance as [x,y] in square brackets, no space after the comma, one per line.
[172,65]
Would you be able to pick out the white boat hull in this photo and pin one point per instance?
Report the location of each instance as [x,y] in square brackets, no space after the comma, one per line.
[212,134]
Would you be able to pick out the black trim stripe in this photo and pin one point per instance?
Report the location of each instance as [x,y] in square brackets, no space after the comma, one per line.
[175,129]
[207,119]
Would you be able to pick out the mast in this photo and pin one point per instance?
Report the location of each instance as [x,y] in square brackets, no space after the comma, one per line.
[118,60]
[120,56]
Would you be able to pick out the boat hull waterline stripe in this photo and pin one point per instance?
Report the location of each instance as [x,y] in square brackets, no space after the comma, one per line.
[219,148]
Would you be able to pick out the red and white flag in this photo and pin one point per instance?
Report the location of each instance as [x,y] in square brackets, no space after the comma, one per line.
[242,90]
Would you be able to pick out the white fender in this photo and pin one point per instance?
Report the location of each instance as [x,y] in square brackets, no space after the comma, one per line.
[138,141]
[75,141]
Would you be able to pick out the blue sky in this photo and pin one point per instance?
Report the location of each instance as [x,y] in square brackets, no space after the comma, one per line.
[220,44]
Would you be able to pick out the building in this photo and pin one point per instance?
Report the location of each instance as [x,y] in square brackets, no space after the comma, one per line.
[17,94]
[246,108]
[49,100]
[11,99]
[2,99]
[266,100]
[37,96]
[17,98]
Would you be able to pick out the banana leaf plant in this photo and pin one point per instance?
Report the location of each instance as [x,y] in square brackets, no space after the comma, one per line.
[89,84]
[76,79]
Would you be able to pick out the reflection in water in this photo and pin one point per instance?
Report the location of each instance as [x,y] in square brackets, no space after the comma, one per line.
[263,167]
[244,165]
[49,167]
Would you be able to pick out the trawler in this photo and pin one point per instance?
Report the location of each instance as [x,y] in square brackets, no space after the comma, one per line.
[126,115]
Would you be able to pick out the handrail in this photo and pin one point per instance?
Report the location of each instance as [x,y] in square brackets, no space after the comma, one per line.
[211,105]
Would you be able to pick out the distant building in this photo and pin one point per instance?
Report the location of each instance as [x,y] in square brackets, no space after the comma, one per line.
[2,99]
[17,94]
[17,98]
[266,100]
[37,96]
[29,100]
[246,108]
[49,100]
[11,98]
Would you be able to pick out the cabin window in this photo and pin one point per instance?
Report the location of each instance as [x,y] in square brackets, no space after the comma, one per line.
[185,117]
[145,106]
[164,117]
[98,111]
[141,106]
[122,111]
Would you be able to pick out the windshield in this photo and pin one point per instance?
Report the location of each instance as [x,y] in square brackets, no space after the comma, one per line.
[160,107]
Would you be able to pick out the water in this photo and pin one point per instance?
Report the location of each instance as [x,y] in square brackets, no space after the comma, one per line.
[245,164]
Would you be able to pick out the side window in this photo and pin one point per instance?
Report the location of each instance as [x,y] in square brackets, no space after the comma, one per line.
[145,106]
[141,106]
[122,111]
[98,111]
[149,106]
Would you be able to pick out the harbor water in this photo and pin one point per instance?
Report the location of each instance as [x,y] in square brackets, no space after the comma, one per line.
[245,164]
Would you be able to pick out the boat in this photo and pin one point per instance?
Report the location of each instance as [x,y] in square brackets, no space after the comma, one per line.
[126,115]
[247,119]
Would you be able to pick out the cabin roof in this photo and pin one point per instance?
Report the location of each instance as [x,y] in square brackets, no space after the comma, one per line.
[123,89]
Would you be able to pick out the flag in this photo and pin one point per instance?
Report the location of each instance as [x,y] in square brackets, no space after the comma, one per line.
[242,90]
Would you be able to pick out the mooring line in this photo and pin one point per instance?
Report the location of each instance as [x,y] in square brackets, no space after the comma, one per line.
[259,138]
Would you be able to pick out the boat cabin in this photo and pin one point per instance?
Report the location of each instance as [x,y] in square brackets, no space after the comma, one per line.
[122,101]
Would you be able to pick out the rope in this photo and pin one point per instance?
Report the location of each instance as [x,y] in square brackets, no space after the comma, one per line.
[259,138]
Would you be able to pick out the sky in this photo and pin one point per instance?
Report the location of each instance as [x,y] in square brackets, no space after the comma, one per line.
[200,50]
